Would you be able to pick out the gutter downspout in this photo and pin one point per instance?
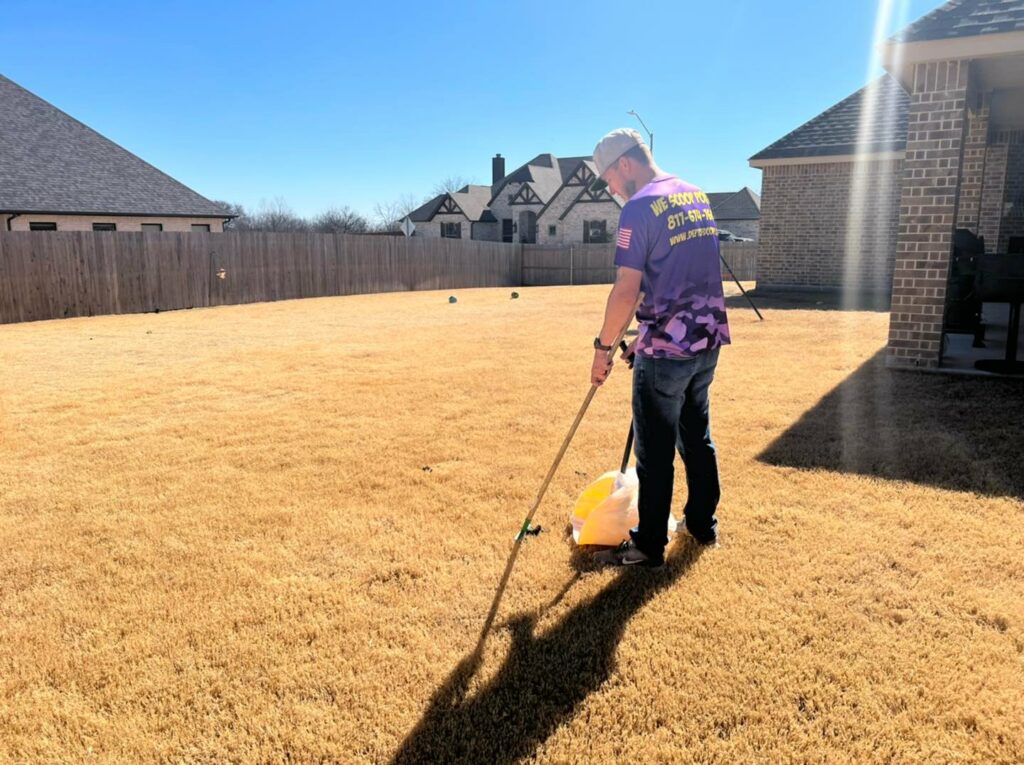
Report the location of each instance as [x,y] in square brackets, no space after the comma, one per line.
[10,218]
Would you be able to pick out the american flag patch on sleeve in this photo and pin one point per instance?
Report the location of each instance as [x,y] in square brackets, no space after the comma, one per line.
[625,235]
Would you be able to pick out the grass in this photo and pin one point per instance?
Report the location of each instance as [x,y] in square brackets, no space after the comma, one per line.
[271,533]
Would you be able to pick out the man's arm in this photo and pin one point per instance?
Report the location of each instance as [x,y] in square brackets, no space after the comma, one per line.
[617,312]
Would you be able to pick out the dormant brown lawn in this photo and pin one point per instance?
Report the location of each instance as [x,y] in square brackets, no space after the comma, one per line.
[271,533]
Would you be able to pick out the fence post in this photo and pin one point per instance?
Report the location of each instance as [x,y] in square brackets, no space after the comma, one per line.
[570,265]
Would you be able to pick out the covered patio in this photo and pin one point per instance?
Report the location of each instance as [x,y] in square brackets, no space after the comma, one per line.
[958,276]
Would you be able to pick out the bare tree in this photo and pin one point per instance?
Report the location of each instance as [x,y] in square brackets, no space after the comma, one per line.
[387,215]
[276,216]
[340,220]
[449,185]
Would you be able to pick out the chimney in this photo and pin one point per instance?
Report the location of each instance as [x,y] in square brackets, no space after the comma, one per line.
[497,168]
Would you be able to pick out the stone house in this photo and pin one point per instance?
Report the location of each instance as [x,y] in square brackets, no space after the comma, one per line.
[867,196]
[546,201]
[57,174]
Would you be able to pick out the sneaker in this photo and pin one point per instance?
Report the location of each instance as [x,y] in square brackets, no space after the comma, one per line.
[705,539]
[628,554]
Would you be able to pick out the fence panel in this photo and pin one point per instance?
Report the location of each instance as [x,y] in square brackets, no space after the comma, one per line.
[45,275]
[546,265]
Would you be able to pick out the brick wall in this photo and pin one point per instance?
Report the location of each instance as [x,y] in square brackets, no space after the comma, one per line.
[123,222]
[805,218]
[971,180]
[936,130]
[1013,198]
[991,215]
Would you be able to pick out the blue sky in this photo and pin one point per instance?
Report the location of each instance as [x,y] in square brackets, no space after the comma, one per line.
[328,104]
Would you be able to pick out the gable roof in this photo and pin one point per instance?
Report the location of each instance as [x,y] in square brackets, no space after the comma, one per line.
[472,200]
[51,162]
[834,132]
[966,18]
[744,204]
[545,174]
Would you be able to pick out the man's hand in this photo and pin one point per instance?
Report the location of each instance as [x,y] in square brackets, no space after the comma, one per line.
[602,367]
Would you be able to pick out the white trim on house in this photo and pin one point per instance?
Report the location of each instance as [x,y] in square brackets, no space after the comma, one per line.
[827,158]
[899,58]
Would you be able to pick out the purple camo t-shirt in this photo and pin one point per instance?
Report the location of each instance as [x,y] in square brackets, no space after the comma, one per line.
[667,231]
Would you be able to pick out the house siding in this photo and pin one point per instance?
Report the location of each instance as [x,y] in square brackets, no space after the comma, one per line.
[123,222]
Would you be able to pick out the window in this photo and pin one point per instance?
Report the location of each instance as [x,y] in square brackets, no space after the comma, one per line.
[152,226]
[594,231]
[201,227]
[104,227]
[451,230]
[42,226]
[552,229]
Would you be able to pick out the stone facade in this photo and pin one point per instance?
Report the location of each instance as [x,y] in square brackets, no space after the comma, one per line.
[569,230]
[123,222]
[432,229]
[928,212]
[486,232]
[805,219]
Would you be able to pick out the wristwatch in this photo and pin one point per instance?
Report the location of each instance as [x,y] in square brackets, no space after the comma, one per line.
[599,347]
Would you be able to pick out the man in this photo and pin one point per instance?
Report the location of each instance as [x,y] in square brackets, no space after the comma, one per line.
[667,246]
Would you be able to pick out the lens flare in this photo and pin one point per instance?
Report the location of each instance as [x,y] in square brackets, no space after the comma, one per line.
[872,212]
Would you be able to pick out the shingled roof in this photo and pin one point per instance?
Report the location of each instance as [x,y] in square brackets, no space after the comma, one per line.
[545,174]
[51,162]
[834,132]
[472,200]
[966,18]
[744,204]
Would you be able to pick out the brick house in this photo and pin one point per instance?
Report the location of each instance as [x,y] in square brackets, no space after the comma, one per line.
[738,212]
[57,174]
[867,195]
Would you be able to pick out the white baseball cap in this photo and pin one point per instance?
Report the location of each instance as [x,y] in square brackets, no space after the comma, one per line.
[610,148]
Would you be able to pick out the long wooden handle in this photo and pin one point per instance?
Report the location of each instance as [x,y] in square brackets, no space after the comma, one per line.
[576,424]
[549,476]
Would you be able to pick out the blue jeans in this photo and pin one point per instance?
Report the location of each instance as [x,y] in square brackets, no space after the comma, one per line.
[670,412]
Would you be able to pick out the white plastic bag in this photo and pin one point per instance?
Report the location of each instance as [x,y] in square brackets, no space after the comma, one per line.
[607,510]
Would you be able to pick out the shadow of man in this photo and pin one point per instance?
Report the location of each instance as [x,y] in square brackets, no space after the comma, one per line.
[544,677]
[958,433]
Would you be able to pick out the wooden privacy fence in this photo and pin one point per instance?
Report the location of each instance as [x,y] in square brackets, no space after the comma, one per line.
[595,263]
[63,274]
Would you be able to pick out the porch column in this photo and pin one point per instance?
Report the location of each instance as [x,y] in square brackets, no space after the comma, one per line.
[971,182]
[991,213]
[928,212]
